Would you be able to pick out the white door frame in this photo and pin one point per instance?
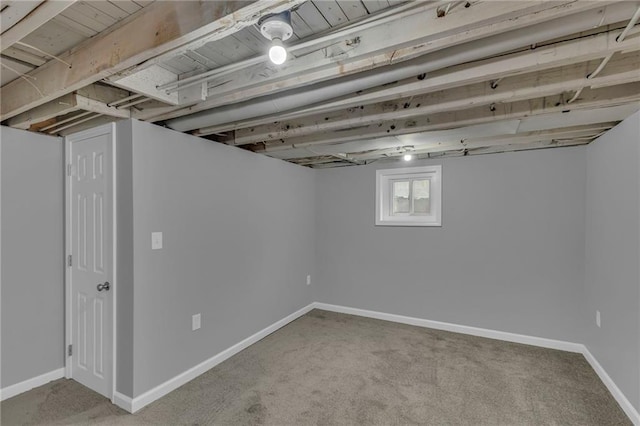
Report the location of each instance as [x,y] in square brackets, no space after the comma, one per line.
[107,129]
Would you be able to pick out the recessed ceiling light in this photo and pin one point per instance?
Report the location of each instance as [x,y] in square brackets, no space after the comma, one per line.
[408,157]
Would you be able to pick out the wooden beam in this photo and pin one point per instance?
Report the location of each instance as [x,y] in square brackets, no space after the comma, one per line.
[578,135]
[383,45]
[51,109]
[24,56]
[88,104]
[590,98]
[12,12]
[274,7]
[103,93]
[528,146]
[529,86]
[160,27]
[91,98]
[330,161]
[460,133]
[543,58]
[146,82]
[36,18]
[584,133]
[587,132]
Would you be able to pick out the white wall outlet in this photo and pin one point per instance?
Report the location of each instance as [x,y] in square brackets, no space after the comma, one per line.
[156,240]
[195,322]
[308,279]
[598,318]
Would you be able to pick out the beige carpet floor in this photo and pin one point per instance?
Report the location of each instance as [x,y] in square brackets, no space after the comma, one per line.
[334,369]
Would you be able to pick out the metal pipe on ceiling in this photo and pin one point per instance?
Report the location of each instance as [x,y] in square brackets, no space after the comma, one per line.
[133,103]
[468,52]
[123,100]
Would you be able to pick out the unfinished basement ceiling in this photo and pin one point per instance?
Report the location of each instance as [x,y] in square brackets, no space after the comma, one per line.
[365,80]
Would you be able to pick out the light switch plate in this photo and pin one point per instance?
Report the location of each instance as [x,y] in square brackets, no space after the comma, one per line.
[308,279]
[156,240]
[195,322]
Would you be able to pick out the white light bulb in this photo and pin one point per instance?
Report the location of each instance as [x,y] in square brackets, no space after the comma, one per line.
[277,52]
[408,157]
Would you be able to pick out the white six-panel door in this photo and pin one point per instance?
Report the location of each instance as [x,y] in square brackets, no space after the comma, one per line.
[90,267]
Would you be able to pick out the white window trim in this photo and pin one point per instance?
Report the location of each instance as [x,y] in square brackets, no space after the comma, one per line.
[383,196]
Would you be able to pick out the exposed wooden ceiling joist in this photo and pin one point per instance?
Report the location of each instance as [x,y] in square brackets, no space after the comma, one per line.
[574,51]
[584,133]
[148,76]
[12,12]
[576,135]
[623,69]
[61,106]
[420,77]
[240,21]
[590,98]
[31,20]
[25,56]
[158,28]
[94,98]
[389,43]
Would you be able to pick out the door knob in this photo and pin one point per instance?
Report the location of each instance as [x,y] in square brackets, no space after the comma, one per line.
[104,286]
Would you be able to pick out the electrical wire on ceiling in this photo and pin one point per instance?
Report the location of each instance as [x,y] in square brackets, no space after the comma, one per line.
[606,59]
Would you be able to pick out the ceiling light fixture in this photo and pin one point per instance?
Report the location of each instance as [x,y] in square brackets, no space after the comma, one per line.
[277,52]
[277,28]
[406,151]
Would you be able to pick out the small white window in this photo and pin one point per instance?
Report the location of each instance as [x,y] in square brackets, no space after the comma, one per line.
[409,196]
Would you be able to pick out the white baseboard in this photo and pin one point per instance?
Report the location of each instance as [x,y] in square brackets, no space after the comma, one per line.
[135,404]
[123,401]
[626,405]
[29,384]
[161,390]
[622,400]
[463,329]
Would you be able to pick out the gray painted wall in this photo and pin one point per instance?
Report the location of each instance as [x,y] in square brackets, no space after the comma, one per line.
[612,281]
[124,278]
[32,291]
[509,256]
[238,244]
[242,231]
